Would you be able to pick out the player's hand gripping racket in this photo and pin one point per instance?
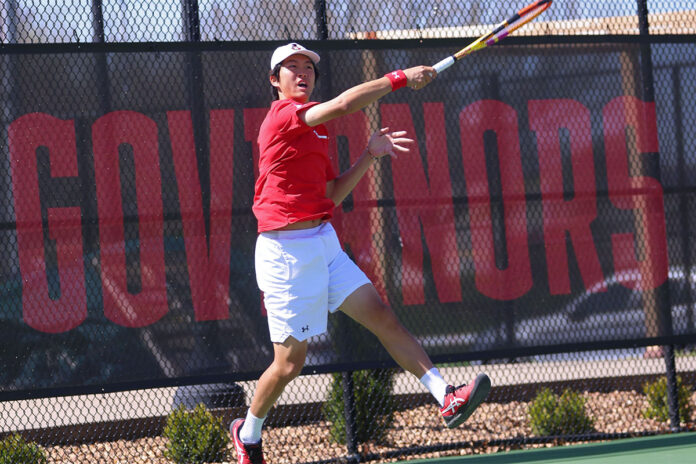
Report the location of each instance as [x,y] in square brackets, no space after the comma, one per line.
[501,31]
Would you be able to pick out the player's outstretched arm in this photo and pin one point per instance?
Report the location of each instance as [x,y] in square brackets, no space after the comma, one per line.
[358,97]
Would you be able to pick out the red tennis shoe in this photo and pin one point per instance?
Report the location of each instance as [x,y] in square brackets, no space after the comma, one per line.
[246,454]
[461,402]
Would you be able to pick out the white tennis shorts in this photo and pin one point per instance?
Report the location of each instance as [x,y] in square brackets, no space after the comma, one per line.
[303,275]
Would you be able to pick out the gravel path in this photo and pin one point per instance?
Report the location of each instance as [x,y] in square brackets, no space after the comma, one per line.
[617,412]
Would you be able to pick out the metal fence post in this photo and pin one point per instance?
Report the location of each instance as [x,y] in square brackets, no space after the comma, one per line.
[325,89]
[672,393]
[506,313]
[684,217]
[91,234]
[192,22]
[194,71]
[102,67]
[8,105]
[662,293]
[349,412]
[322,23]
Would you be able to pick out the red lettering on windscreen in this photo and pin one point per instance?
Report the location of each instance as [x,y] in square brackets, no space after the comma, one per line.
[563,216]
[207,255]
[133,278]
[109,133]
[627,119]
[475,120]
[41,312]
[253,118]
[425,205]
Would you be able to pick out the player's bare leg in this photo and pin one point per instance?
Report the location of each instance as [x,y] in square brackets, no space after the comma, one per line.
[289,358]
[456,403]
[367,308]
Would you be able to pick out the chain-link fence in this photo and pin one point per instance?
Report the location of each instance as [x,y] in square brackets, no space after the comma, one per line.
[64,21]
[540,229]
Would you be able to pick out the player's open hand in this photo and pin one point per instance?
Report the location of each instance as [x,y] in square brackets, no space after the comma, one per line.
[384,143]
[420,76]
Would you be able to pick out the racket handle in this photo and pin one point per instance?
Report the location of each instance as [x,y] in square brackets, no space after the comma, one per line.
[444,64]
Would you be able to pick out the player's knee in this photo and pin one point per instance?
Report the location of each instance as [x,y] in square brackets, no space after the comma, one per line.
[289,370]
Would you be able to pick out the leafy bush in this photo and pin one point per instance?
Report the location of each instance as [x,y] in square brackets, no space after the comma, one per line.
[374,406]
[14,450]
[658,408]
[195,436]
[565,415]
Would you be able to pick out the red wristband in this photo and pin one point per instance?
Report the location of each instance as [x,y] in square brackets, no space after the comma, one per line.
[397,78]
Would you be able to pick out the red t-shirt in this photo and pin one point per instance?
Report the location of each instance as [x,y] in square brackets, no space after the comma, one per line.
[294,168]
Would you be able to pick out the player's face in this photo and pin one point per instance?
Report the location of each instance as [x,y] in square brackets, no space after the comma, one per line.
[296,79]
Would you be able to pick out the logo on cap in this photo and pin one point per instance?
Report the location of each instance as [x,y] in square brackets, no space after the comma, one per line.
[295,47]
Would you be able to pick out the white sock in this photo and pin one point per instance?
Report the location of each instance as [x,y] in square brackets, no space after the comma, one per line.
[251,429]
[437,386]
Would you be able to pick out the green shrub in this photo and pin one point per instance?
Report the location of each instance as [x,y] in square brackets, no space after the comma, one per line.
[14,450]
[658,407]
[374,406]
[195,436]
[565,415]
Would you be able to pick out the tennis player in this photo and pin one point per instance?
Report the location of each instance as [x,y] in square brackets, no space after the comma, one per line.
[300,266]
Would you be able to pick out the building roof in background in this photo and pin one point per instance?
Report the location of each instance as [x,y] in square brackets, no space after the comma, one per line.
[679,22]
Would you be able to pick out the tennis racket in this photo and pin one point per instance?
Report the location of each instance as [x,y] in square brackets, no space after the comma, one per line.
[501,31]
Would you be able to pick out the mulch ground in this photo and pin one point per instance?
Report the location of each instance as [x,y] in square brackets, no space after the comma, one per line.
[616,412]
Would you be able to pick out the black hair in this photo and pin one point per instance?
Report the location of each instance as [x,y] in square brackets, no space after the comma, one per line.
[276,72]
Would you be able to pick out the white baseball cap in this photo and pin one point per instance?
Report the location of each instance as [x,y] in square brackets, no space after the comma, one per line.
[281,53]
